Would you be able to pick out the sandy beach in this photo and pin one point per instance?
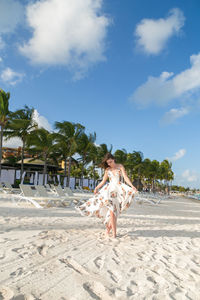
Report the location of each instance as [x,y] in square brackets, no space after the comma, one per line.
[57,254]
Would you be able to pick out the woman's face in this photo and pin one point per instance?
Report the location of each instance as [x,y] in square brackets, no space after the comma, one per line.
[111,162]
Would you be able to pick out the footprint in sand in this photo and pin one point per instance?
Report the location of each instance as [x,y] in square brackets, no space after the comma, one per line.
[17,272]
[115,252]
[42,250]
[99,261]
[113,276]
[97,290]
[74,265]
[23,297]
[17,250]
[88,288]
[116,261]
[2,255]
[6,293]
[132,270]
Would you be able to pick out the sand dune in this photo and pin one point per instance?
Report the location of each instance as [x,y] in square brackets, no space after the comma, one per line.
[57,254]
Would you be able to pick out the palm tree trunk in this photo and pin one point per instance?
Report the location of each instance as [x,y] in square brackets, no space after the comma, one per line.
[45,168]
[22,160]
[65,170]
[94,178]
[138,181]
[65,167]
[15,178]
[168,187]
[1,145]
[69,171]
[82,172]
[154,184]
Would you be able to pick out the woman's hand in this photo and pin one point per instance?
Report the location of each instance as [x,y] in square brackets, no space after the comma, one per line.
[134,189]
[96,191]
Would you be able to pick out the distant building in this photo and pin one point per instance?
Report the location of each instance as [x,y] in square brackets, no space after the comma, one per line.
[16,152]
[73,162]
[35,164]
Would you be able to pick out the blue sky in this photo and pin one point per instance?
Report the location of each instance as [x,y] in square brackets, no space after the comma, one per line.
[127,69]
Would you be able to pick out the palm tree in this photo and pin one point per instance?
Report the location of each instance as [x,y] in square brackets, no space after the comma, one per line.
[134,164]
[166,172]
[4,115]
[146,170]
[41,143]
[84,145]
[154,172]
[93,154]
[20,125]
[101,152]
[76,171]
[121,156]
[67,142]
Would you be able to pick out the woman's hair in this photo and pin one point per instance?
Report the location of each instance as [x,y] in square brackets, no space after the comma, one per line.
[104,164]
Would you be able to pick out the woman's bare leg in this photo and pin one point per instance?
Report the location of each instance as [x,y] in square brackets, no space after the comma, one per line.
[108,228]
[113,223]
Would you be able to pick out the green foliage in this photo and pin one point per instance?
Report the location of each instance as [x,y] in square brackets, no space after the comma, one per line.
[121,156]
[20,124]
[76,171]
[70,138]
[4,117]
[92,173]
[41,143]
[4,107]
[67,139]
[12,160]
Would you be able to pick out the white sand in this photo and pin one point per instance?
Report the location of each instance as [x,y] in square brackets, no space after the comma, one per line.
[55,254]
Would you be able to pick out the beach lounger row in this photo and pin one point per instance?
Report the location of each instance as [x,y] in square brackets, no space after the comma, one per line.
[6,187]
[47,196]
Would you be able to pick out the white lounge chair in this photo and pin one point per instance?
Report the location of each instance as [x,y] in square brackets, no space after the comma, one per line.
[9,189]
[78,197]
[59,198]
[145,197]
[36,195]
[68,191]
[63,194]
[2,188]
[27,194]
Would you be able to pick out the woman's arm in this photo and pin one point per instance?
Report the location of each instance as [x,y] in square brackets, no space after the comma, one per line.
[105,177]
[127,180]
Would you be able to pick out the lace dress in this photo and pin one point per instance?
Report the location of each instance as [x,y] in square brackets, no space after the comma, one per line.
[115,196]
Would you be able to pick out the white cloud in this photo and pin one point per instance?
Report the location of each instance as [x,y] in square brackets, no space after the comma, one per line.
[174,114]
[41,121]
[2,43]
[66,32]
[190,176]
[11,14]
[11,77]
[1,59]
[165,88]
[152,35]
[179,154]
[12,143]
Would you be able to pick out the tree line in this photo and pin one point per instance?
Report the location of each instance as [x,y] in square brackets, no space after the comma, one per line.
[70,138]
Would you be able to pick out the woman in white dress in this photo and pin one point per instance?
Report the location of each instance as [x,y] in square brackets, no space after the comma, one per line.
[110,198]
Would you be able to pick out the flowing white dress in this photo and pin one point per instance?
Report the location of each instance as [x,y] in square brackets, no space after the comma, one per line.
[115,196]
